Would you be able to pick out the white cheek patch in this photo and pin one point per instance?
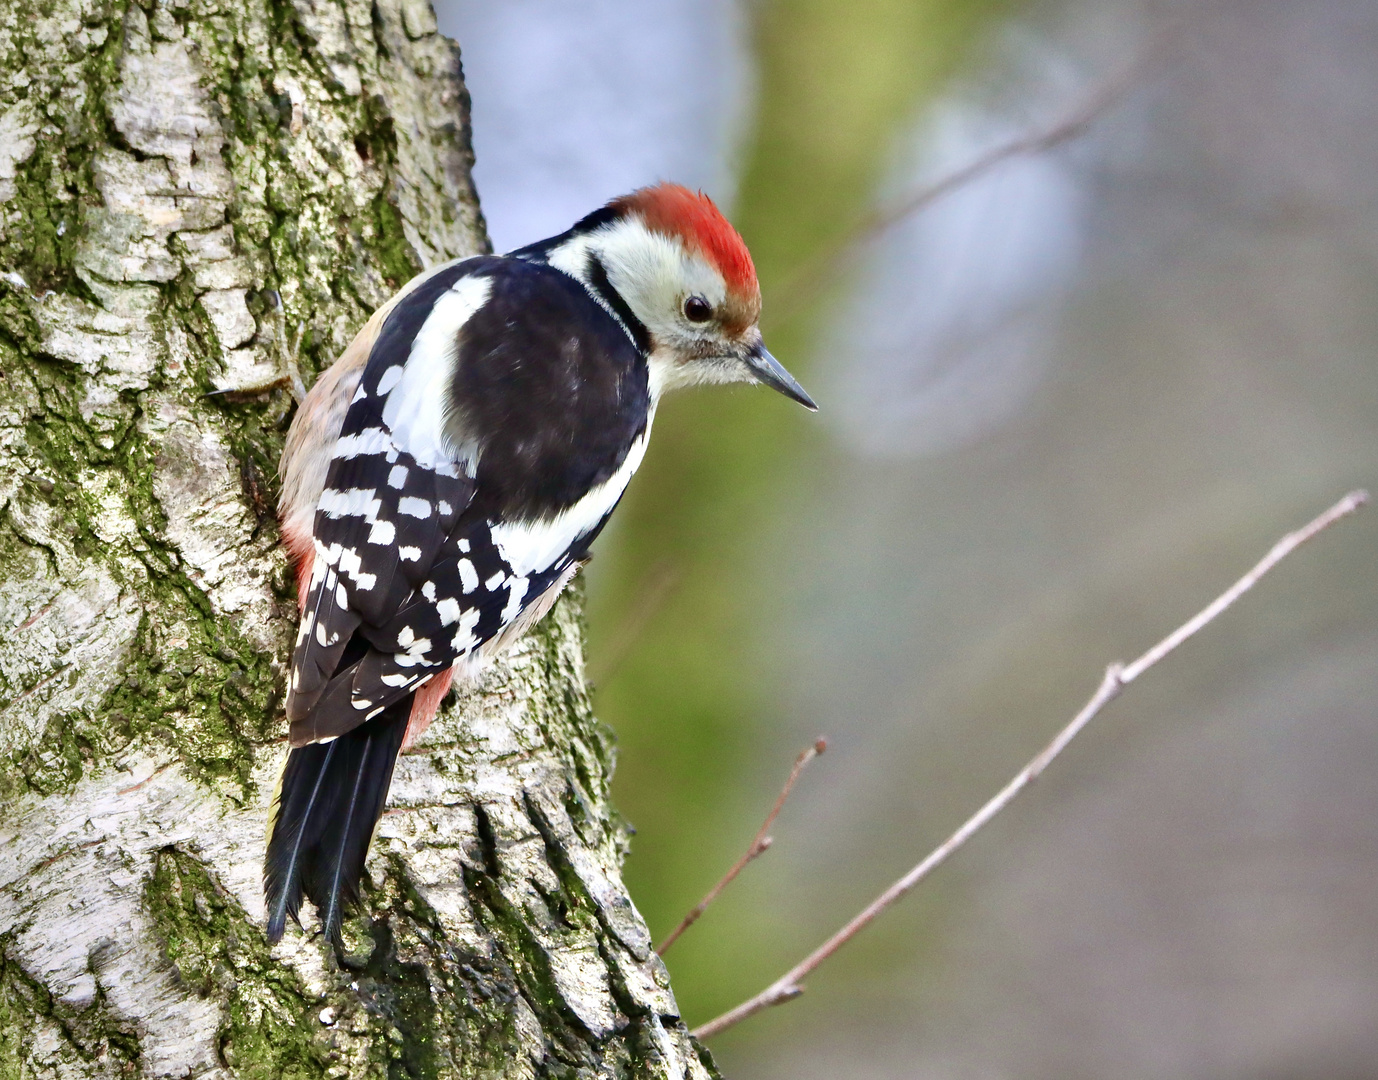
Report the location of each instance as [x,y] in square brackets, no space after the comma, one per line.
[654,274]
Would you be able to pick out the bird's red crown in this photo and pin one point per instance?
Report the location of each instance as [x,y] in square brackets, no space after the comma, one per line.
[692,217]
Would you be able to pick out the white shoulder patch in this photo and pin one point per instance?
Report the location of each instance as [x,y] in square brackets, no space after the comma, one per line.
[418,392]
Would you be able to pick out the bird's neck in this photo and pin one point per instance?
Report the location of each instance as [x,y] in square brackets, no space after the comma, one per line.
[583,257]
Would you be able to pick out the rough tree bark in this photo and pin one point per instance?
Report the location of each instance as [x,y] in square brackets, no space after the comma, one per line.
[201,194]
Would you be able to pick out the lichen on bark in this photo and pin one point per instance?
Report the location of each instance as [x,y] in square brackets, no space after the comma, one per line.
[200,202]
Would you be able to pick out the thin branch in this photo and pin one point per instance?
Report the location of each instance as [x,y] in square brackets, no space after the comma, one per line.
[820,268]
[1117,677]
[759,844]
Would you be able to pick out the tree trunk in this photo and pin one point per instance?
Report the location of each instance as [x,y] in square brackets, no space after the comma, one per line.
[205,195]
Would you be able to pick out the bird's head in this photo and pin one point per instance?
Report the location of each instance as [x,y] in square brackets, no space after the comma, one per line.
[669,259]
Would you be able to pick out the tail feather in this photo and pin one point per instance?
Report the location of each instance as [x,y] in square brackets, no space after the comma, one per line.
[328,802]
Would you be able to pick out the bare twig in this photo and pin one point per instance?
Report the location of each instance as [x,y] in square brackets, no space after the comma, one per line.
[820,268]
[759,844]
[1117,677]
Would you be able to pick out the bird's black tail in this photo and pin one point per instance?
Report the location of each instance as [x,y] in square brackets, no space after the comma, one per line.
[328,802]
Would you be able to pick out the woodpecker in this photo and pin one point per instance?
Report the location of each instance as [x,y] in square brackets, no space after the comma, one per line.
[444,478]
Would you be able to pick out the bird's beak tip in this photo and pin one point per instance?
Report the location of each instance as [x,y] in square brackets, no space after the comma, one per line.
[772,373]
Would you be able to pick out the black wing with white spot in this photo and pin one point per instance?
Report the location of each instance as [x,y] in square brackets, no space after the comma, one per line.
[379,526]
[500,415]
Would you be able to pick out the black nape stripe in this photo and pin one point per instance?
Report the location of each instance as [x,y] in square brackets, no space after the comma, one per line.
[541,249]
[598,280]
[604,215]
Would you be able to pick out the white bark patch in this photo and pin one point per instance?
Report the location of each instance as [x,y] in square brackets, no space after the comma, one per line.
[121,350]
[18,126]
[159,104]
[73,885]
[229,314]
[62,648]
[213,260]
[328,25]
[196,483]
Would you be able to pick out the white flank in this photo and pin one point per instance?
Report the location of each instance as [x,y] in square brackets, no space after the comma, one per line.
[532,546]
[415,409]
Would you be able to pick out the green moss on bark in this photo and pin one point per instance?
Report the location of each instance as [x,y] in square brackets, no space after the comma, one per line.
[270,1029]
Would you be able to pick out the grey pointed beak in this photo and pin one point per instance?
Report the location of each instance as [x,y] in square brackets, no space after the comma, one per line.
[772,373]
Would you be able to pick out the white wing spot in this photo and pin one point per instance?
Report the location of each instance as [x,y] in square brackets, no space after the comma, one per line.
[351,564]
[464,639]
[369,441]
[495,581]
[410,554]
[356,502]
[448,610]
[514,601]
[415,655]
[428,591]
[468,576]
[382,532]
[398,476]
[414,507]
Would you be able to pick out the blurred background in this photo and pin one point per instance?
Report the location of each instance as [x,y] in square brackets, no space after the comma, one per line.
[1061,409]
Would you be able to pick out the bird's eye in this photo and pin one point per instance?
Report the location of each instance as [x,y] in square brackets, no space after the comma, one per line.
[697,309]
